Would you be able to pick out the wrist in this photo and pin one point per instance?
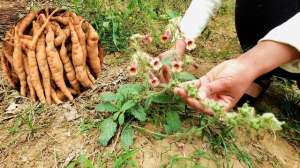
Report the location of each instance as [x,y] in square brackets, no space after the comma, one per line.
[267,56]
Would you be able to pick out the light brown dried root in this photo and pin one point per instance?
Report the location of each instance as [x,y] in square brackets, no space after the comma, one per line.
[61,19]
[55,64]
[43,67]
[29,81]
[93,51]
[26,22]
[54,97]
[59,33]
[18,64]
[68,67]
[7,71]
[78,59]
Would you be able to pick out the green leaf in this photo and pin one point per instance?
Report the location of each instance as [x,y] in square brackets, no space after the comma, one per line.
[108,97]
[168,60]
[128,89]
[108,128]
[116,115]
[184,76]
[121,119]
[128,105]
[139,113]
[172,14]
[162,98]
[85,162]
[127,137]
[119,97]
[173,123]
[106,107]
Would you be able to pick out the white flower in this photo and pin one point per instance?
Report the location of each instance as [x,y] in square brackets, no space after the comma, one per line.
[155,63]
[190,44]
[147,39]
[133,69]
[177,66]
[153,80]
[165,37]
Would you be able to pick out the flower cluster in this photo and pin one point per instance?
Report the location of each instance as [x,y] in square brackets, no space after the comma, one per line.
[158,69]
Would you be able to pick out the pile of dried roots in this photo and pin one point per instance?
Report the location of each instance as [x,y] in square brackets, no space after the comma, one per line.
[52,55]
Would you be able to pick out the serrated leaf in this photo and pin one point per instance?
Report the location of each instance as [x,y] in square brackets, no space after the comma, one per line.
[139,113]
[173,122]
[121,119]
[106,107]
[185,76]
[108,128]
[128,105]
[128,89]
[108,96]
[127,137]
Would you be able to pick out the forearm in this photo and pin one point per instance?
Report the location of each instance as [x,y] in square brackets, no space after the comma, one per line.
[267,56]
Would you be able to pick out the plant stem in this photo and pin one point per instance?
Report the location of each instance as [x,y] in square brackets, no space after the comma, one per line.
[149,131]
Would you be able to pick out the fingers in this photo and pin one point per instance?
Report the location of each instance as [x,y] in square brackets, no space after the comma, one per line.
[192,102]
[181,92]
[198,106]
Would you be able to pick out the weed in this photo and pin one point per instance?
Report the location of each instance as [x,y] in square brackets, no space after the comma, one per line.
[83,161]
[125,159]
[27,117]
[85,125]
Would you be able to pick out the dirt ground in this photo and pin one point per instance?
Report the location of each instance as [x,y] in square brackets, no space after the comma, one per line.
[33,135]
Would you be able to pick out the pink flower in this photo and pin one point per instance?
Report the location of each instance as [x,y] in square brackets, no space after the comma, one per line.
[155,63]
[190,44]
[133,69]
[165,37]
[153,80]
[147,39]
[177,66]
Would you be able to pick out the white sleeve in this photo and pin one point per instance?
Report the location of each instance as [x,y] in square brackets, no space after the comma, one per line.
[287,33]
[197,16]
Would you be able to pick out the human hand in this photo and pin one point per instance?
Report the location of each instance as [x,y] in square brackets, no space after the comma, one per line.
[224,84]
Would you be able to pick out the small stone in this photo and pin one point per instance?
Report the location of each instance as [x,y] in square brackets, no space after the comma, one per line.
[71,113]
[11,109]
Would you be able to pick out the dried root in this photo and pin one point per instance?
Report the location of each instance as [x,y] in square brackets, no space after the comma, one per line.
[51,56]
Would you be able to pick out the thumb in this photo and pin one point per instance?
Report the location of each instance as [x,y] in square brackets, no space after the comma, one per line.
[180,48]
